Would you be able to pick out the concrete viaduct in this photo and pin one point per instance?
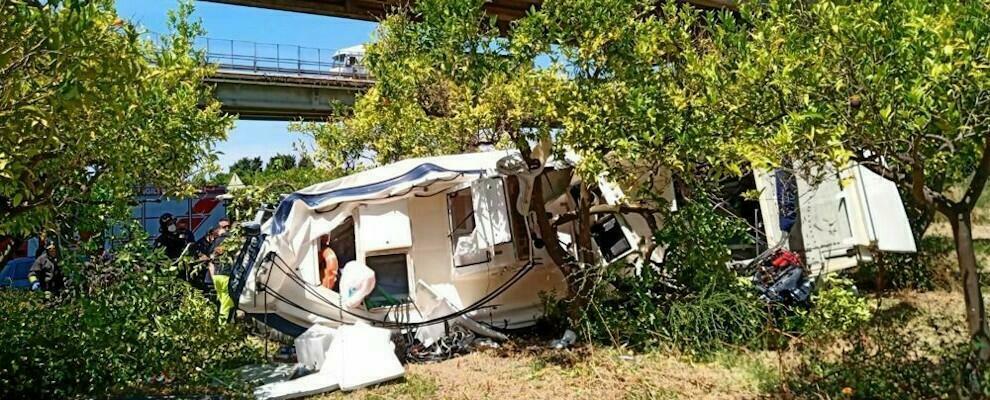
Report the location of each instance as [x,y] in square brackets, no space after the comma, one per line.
[259,81]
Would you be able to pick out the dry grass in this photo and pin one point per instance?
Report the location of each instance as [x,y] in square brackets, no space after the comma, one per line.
[582,373]
[601,373]
[590,372]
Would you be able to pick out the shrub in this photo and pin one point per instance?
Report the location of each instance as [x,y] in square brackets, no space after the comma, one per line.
[123,327]
[692,301]
[887,361]
[837,310]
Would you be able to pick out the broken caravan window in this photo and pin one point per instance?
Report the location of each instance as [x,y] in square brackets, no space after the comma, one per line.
[608,235]
[460,206]
[342,242]
[391,280]
[484,224]
[606,230]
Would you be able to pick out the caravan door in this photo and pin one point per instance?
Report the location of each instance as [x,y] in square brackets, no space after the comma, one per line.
[888,221]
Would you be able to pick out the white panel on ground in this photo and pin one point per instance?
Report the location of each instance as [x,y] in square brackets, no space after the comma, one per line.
[301,387]
[491,212]
[885,212]
[312,345]
[361,356]
[384,226]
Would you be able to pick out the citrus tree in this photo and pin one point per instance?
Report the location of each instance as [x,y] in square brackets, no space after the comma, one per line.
[901,87]
[90,110]
[622,83]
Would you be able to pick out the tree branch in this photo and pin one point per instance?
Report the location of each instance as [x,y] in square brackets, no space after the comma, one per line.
[606,209]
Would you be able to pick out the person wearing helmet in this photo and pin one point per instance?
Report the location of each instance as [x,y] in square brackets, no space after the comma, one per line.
[45,274]
[169,238]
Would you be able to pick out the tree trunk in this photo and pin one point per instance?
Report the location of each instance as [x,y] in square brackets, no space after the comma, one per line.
[585,253]
[962,232]
[547,232]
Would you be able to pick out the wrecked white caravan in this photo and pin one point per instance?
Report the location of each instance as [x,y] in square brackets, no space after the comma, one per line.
[439,233]
[450,237]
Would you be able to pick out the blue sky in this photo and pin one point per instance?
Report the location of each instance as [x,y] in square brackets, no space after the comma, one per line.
[255,138]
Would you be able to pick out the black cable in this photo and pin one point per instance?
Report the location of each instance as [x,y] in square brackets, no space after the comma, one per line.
[473,307]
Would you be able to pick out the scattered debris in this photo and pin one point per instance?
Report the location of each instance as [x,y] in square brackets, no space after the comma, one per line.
[459,341]
[565,341]
[358,356]
[486,343]
[312,346]
[780,278]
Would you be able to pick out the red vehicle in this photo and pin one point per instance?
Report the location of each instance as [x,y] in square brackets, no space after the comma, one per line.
[200,212]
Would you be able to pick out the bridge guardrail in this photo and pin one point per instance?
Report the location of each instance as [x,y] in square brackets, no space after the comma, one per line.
[262,58]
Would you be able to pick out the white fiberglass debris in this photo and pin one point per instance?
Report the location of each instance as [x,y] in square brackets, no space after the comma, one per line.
[312,345]
[268,373]
[306,386]
[361,356]
[566,341]
[431,333]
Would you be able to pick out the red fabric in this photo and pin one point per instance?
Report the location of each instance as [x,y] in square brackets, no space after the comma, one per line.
[784,258]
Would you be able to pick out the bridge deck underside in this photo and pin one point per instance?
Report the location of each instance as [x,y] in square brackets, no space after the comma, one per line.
[373,10]
[285,98]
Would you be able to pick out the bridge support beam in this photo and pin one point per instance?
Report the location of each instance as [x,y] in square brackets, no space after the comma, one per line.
[284,98]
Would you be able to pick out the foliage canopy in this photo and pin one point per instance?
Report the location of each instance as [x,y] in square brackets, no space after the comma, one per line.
[89,110]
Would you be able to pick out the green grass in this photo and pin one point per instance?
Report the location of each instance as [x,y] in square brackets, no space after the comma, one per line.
[763,373]
[648,392]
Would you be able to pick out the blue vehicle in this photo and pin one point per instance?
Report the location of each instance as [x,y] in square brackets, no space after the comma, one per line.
[15,274]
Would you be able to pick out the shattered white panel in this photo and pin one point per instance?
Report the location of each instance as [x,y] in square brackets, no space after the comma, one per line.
[361,356]
[312,345]
[301,387]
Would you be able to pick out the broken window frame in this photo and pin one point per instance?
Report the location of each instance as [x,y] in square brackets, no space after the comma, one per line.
[501,254]
[455,222]
[404,299]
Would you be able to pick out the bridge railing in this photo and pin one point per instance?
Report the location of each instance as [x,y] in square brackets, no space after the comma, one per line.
[281,58]
[261,58]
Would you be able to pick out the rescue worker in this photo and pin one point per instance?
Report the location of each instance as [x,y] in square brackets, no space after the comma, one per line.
[328,264]
[209,247]
[220,272]
[45,274]
[187,236]
[169,237]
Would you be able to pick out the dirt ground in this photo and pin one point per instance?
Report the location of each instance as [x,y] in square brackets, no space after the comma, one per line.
[604,373]
[607,373]
[585,373]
